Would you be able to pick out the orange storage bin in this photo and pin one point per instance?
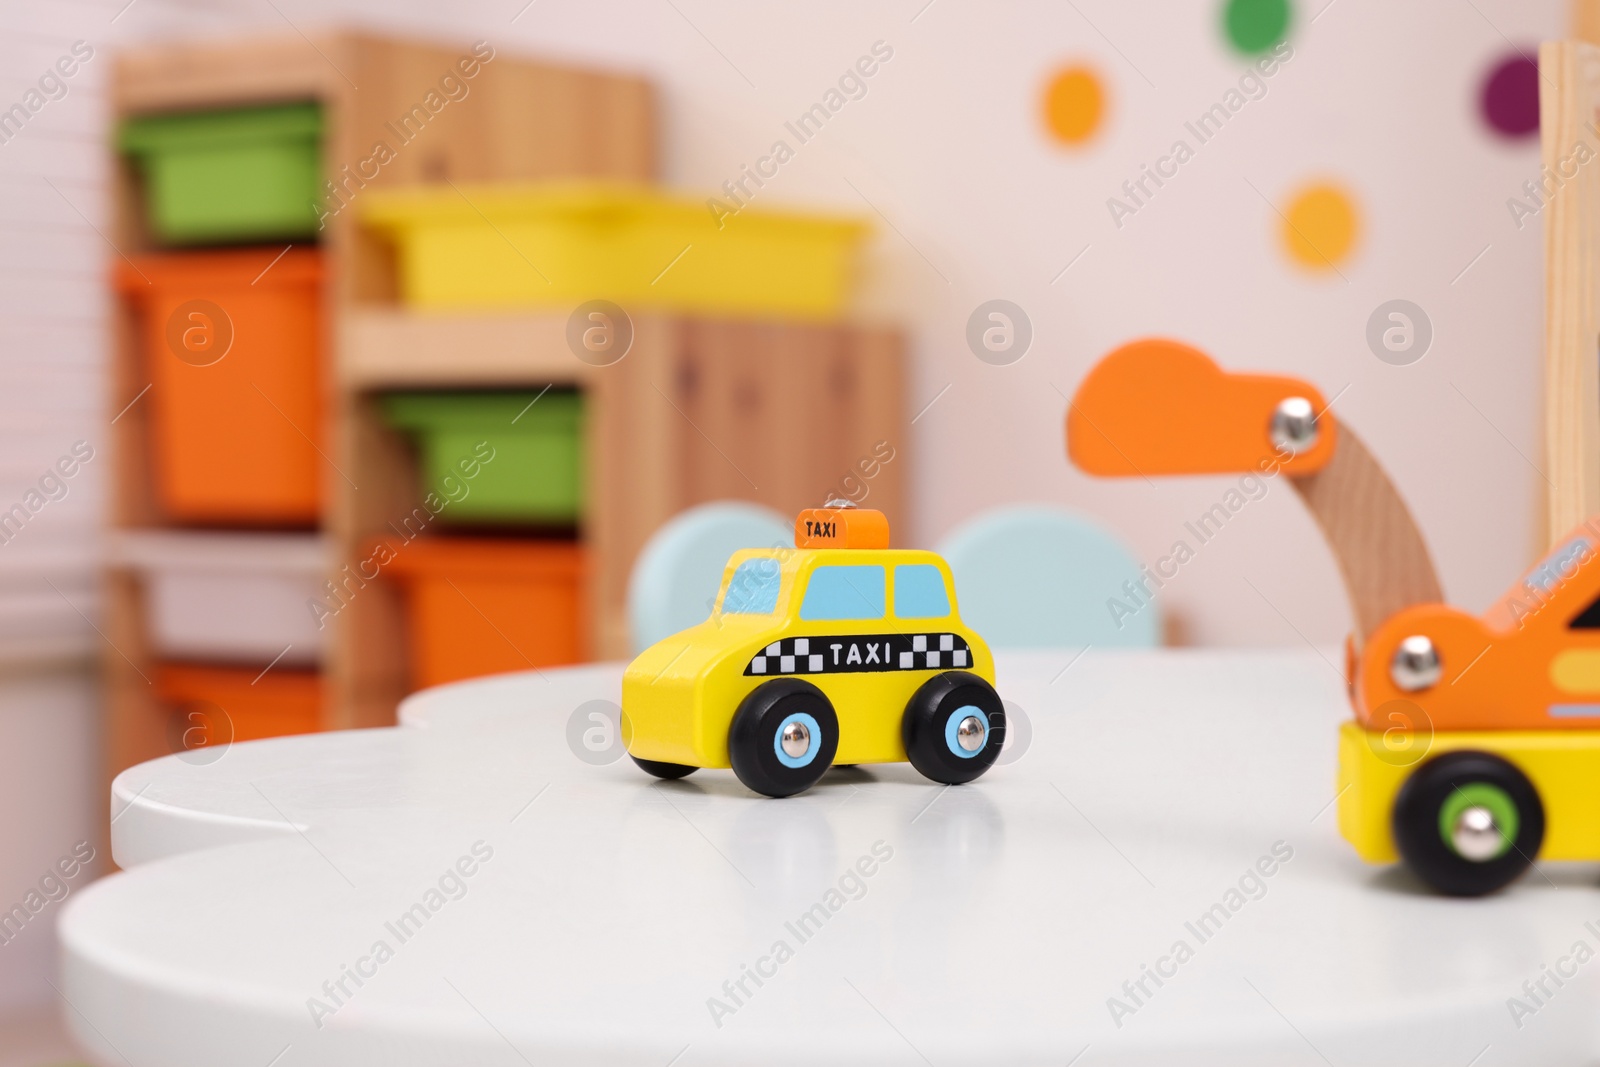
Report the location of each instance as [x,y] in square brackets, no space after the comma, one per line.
[232,347]
[253,705]
[479,606]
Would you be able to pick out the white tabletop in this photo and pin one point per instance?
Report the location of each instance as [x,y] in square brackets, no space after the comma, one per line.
[997,921]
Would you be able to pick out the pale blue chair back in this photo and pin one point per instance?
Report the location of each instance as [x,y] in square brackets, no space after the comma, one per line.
[676,577]
[1041,577]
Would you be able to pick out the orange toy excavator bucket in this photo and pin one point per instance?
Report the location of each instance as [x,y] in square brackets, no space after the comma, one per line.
[1161,407]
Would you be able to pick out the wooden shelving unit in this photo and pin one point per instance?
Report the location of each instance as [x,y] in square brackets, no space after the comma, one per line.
[519,120]
[698,410]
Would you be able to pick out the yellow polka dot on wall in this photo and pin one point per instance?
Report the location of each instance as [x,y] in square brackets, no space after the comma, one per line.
[1074,105]
[1321,226]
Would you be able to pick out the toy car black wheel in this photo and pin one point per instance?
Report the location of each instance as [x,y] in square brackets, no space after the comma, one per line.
[953,727]
[1468,823]
[783,737]
[669,771]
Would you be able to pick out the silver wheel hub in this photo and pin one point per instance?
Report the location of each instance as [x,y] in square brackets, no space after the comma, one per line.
[1476,835]
[970,733]
[796,740]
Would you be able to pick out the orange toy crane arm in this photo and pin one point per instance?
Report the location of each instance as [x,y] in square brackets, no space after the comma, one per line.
[1161,407]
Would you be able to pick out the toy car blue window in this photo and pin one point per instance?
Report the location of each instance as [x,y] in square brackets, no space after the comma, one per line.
[840,592]
[753,589]
[919,592]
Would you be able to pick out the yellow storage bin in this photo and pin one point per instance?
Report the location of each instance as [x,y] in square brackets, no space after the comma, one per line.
[510,246]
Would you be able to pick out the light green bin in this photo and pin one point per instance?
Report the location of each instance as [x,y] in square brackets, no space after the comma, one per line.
[536,473]
[246,174]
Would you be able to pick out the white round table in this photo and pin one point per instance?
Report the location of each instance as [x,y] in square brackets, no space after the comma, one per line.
[464,889]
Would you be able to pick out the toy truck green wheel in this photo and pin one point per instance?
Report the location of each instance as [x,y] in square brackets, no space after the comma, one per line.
[1468,823]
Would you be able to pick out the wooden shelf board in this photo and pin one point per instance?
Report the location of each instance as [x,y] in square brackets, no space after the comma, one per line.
[210,73]
[398,349]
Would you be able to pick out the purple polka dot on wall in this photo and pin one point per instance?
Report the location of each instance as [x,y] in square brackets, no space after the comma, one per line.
[1510,101]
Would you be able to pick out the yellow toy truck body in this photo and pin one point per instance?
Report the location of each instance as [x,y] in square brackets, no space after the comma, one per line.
[1563,767]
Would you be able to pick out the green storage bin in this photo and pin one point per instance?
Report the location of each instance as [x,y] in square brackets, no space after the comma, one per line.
[536,473]
[237,175]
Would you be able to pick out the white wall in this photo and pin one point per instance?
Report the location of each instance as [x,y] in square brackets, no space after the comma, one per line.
[50,793]
[52,311]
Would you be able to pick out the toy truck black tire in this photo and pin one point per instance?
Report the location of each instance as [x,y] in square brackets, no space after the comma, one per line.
[1450,784]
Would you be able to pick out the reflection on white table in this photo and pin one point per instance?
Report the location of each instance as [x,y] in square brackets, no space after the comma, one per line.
[1154,877]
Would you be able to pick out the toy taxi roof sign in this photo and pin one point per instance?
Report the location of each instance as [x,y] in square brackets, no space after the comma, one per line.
[841,527]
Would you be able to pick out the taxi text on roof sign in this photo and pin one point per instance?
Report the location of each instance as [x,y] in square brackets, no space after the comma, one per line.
[841,528]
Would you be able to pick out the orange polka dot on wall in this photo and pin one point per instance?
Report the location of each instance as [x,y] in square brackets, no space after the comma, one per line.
[1074,105]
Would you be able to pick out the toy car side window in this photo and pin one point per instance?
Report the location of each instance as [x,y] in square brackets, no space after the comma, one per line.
[919,592]
[845,592]
[753,589]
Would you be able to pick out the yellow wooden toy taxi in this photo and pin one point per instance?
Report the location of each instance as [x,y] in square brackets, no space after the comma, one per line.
[838,651]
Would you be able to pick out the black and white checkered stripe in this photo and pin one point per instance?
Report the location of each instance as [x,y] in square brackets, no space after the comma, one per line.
[857,653]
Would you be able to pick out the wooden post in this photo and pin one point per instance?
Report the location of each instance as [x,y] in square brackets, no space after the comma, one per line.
[1569,107]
